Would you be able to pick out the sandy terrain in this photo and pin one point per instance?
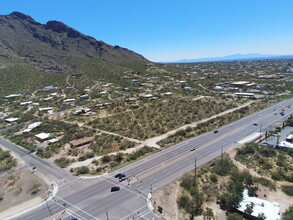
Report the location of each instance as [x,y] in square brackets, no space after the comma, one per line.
[17,188]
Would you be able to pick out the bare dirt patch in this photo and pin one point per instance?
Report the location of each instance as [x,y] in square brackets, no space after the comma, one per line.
[23,189]
[167,199]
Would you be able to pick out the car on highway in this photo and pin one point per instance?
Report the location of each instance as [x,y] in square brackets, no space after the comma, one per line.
[216,131]
[230,125]
[255,124]
[73,218]
[192,149]
[115,188]
[119,175]
[122,179]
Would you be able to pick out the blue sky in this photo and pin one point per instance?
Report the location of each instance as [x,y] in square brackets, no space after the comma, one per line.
[169,30]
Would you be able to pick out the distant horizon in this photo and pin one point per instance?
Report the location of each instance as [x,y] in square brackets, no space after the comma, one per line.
[168,30]
[224,56]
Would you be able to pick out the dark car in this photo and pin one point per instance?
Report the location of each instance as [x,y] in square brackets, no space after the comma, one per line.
[115,188]
[216,131]
[122,179]
[119,175]
[255,124]
[73,218]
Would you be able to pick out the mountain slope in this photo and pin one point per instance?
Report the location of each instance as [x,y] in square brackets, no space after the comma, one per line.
[44,45]
[54,47]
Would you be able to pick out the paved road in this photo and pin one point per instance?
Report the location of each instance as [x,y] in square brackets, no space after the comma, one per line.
[92,199]
[43,167]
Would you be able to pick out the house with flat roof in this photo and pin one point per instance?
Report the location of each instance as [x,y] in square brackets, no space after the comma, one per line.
[271,210]
[81,142]
[11,120]
[43,136]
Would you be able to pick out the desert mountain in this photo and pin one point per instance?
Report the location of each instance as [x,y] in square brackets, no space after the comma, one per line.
[54,46]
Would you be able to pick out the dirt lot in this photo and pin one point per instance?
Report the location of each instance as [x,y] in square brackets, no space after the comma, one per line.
[167,198]
[20,191]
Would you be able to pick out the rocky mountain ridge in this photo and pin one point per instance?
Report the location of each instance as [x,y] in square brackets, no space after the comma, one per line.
[53,46]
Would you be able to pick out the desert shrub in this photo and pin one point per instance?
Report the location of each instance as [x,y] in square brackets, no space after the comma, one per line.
[35,188]
[118,157]
[229,201]
[89,155]
[214,178]
[99,169]
[234,216]
[223,167]
[62,162]
[247,149]
[106,159]
[278,175]
[268,151]
[7,162]
[114,164]
[82,170]
[288,214]
[288,189]
[265,182]
[185,202]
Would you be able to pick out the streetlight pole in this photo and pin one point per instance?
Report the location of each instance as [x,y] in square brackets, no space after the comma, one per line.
[260,131]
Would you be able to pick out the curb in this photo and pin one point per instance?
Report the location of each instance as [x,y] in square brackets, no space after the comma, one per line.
[52,194]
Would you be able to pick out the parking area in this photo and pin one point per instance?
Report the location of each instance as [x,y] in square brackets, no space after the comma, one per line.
[273,139]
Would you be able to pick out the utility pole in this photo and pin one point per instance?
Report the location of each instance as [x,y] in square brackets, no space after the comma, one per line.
[222,157]
[195,171]
[107,215]
[260,131]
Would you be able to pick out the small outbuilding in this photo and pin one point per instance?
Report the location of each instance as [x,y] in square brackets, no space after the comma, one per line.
[81,142]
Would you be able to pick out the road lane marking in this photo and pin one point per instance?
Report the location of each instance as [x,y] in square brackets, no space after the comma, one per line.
[76,207]
[134,212]
[184,156]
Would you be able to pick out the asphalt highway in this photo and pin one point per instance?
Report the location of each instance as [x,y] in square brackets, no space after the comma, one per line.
[43,167]
[90,198]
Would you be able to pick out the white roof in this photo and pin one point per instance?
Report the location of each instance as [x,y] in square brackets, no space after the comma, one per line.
[43,136]
[269,209]
[34,125]
[27,130]
[83,96]
[290,136]
[48,98]
[45,108]
[285,144]
[149,95]
[244,93]
[11,119]
[13,95]
[53,140]
[68,100]
[31,127]
[26,103]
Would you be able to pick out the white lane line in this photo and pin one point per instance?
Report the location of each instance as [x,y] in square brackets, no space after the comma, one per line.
[134,212]
[125,187]
[145,213]
[68,211]
[76,207]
